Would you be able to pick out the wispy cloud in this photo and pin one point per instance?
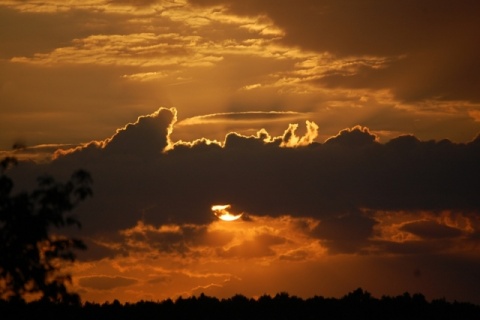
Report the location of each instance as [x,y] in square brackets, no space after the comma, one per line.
[243,116]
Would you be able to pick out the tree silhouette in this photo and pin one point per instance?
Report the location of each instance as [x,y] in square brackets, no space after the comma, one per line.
[30,253]
[356,305]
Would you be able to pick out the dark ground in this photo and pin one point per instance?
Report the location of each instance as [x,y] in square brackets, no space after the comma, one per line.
[358,304]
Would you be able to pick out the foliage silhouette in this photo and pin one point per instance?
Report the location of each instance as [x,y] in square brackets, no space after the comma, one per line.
[358,304]
[30,254]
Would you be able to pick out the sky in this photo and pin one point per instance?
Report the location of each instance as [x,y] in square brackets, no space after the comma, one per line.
[342,134]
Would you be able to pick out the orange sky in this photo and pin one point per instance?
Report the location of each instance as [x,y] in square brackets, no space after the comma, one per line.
[343,130]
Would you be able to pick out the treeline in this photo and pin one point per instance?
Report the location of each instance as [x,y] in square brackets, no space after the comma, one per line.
[358,304]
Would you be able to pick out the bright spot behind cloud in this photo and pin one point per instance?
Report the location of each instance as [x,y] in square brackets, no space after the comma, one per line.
[221,211]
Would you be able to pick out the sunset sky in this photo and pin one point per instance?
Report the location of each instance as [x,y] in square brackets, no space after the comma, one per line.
[341,133]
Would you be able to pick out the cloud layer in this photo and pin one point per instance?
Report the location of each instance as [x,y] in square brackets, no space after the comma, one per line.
[301,203]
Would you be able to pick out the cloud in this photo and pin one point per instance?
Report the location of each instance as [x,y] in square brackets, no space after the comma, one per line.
[346,234]
[258,247]
[295,255]
[348,172]
[178,259]
[439,59]
[141,175]
[431,230]
[155,127]
[245,116]
[347,196]
[165,239]
[355,137]
[105,283]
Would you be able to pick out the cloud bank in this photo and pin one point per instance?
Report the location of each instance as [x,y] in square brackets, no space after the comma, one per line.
[302,203]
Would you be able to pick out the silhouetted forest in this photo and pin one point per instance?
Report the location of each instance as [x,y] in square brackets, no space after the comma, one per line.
[358,304]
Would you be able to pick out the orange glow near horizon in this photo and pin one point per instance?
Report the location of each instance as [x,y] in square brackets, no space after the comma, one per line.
[255,256]
[251,256]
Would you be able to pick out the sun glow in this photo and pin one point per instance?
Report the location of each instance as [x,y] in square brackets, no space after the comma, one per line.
[221,211]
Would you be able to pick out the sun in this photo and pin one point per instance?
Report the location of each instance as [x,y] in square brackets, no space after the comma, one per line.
[221,211]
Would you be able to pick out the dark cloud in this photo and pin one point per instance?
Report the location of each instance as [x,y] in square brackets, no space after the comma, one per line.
[355,137]
[169,238]
[431,230]
[298,255]
[414,247]
[348,233]
[260,246]
[332,182]
[159,280]
[97,251]
[147,137]
[436,40]
[431,74]
[106,283]
[365,27]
